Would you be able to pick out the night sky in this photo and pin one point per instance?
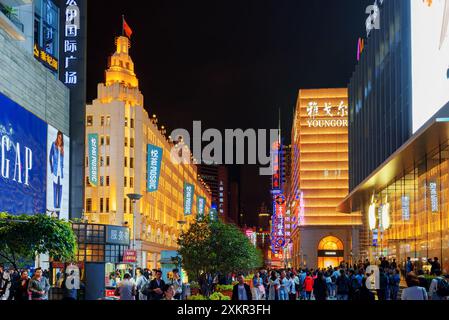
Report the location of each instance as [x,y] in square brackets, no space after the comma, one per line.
[231,64]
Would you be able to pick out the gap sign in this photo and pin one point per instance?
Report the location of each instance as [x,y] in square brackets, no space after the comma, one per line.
[93,159]
[154,162]
[189,191]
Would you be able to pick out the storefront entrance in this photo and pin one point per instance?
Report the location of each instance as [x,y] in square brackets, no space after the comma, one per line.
[330,252]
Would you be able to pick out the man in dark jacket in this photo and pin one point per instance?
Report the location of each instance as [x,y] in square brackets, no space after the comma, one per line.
[241,291]
[383,284]
[156,287]
[342,284]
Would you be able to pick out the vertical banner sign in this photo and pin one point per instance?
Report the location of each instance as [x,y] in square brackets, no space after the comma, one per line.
[72,72]
[200,205]
[405,208]
[278,224]
[189,191]
[93,159]
[154,162]
[213,215]
[276,178]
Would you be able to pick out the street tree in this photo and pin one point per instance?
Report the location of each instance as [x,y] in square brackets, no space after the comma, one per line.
[26,236]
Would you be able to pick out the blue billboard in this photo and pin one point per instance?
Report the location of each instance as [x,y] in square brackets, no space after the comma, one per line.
[154,162]
[23,166]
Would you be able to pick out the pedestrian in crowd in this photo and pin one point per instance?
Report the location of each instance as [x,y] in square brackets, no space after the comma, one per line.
[328,278]
[365,293]
[354,286]
[141,280]
[293,283]
[308,286]
[408,266]
[383,283]
[274,286]
[156,287]
[14,278]
[395,281]
[435,285]
[435,266]
[169,293]
[301,290]
[283,291]
[127,289]
[22,293]
[176,282]
[146,273]
[414,291]
[5,283]
[394,265]
[342,284]
[257,283]
[39,286]
[320,288]
[241,291]
[422,280]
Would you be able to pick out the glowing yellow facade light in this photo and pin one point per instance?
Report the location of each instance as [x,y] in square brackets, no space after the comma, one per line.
[372,216]
[386,221]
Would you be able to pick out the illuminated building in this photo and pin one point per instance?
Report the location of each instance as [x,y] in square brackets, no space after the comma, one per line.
[399,141]
[125,130]
[319,181]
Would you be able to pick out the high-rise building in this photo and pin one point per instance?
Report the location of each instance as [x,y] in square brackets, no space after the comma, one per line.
[398,134]
[322,237]
[125,134]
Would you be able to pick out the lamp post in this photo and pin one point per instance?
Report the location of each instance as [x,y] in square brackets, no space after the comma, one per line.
[134,197]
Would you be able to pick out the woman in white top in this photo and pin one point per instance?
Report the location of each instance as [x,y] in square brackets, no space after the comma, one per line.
[414,292]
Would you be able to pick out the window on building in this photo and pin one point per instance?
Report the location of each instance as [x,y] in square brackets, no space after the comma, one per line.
[126,162]
[125,205]
[101,205]
[125,182]
[131,163]
[108,121]
[108,140]
[131,142]
[87,162]
[131,182]
[126,122]
[126,142]
[108,161]
[87,182]
[130,207]
[90,121]
[132,123]
[107,204]
[102,141]
[102,121]
[101,181]
[107,181]
[89,205]
[101,161]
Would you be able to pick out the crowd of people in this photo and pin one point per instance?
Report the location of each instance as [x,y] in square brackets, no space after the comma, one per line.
[18,285]
[356,282]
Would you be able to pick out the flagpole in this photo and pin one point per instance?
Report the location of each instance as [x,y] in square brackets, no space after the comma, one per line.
[123,25]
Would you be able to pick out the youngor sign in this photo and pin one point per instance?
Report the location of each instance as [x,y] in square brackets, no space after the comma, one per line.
[189,191]
[154,162]
[93,158]
[23,151]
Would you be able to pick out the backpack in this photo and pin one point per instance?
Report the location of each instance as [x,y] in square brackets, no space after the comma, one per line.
[443,288]
[145,290]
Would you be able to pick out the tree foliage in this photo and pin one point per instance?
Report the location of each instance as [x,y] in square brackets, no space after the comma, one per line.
[217,247]
[29,235]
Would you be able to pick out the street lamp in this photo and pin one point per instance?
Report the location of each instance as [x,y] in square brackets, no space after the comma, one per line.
[134,198]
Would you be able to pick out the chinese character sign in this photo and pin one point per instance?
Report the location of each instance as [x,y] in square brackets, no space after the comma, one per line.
[154,162]
[93,159]
[328,115]
[201,206]
[189,191]
[278,224]
[276,178]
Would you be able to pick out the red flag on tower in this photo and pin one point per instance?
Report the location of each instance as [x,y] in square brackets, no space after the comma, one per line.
[126,29]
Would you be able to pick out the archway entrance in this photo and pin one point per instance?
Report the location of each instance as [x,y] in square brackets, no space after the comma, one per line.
[331,252]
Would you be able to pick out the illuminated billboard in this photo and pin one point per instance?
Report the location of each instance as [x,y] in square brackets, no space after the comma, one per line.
[430,59]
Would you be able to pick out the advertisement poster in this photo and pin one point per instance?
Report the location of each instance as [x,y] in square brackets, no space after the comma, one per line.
[430,59]
[189,191]
[23,153]
[58,174]
[154,162]
[93,159]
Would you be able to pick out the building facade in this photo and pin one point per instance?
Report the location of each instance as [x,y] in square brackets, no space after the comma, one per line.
[323,236]
[125,130]
[380,93]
